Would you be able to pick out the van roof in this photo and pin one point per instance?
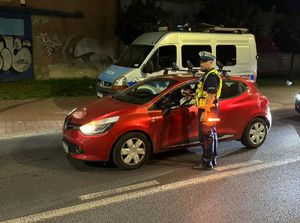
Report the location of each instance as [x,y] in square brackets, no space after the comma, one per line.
[151,38]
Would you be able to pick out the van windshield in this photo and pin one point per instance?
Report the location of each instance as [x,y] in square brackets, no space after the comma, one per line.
[134,56]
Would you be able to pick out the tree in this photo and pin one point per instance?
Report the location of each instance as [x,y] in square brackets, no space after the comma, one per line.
[287,36]
[140,17]
[239,13]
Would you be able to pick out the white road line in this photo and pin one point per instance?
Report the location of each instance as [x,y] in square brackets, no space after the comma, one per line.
[238,165]
[118,190]
[147,192]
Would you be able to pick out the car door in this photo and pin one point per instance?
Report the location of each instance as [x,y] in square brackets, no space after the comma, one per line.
[233,106]
[177,123]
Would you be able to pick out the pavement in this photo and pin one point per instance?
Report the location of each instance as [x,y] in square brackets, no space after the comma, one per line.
[31,117]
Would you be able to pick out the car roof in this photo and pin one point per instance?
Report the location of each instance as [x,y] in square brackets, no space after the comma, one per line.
[182,77]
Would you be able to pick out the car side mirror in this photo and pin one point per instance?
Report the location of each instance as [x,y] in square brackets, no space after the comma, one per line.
[148,68]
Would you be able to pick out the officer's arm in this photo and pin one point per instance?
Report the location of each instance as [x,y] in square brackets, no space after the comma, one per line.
[210,101]
[212,88]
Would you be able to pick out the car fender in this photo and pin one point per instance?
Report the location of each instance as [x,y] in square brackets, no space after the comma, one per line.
[142,128]
[250,118]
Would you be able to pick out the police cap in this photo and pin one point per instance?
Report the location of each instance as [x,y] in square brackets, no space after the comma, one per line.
[206,56]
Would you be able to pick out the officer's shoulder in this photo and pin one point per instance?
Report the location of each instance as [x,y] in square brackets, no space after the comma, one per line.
[213,75]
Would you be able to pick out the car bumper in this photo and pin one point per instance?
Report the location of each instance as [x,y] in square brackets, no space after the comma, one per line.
[297,107]
[88,148]
[269,117]
[297,102]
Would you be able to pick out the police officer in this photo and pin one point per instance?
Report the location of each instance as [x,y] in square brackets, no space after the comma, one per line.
[207,94]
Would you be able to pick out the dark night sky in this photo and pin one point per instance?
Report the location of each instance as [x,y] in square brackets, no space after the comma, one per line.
[286,6]
[293,5]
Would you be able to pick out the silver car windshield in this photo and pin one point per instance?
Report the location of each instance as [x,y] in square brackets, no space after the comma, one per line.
[134,56]
[145,91]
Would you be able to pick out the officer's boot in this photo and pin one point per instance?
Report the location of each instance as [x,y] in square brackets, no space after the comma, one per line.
[208,165]
[214,161]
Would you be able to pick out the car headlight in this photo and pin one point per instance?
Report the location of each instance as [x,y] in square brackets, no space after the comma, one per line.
[298,97]
[99,126]
[120,81]
[71,111]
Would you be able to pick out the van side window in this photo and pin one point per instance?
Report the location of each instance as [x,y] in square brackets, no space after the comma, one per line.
[166,56]
[226,54]
[232,89]
[190,52]
[163,57]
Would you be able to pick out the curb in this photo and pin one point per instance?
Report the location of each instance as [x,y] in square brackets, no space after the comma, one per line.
[30,134]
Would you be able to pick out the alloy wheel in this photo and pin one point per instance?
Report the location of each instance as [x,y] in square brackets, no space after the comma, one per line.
[133,151]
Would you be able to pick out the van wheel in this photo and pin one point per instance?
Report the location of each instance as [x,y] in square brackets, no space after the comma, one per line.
[131,151]
[255,133]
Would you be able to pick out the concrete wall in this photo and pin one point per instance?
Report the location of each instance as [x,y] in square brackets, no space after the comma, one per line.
[65,47]
[277,63]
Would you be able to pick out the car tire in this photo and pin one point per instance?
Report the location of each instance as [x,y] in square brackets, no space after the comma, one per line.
[131,151]
[255,133]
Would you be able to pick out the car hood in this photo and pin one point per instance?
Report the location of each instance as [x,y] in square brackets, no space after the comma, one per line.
[102,108]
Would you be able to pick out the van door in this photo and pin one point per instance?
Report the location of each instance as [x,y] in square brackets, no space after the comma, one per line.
[238,59]
[191,53]
[162,58]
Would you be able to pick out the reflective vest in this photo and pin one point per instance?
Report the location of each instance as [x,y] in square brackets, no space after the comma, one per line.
[201,95]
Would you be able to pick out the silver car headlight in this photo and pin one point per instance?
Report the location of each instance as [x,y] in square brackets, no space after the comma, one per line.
[298,97]
[120,81]
[99,126]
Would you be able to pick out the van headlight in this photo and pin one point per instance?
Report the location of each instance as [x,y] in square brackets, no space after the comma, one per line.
[120,81]
[99,126]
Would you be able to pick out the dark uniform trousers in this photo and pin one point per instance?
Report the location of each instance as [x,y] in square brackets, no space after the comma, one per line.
[208,138]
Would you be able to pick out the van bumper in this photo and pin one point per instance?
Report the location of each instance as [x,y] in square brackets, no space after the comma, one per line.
[102,92]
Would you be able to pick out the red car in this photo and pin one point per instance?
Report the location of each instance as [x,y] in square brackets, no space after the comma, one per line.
[154,116]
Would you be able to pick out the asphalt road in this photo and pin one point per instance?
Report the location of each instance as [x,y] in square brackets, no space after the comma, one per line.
[38,182]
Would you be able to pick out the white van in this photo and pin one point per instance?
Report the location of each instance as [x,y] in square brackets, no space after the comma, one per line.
[151,53]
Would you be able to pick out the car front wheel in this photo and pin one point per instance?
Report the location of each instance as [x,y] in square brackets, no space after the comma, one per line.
[131,150]
[255,133]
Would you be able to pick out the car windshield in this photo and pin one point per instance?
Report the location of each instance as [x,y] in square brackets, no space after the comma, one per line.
[145,91]
[134,56]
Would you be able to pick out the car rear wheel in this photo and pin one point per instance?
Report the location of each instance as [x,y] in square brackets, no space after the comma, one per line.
[255,133]
[131,151]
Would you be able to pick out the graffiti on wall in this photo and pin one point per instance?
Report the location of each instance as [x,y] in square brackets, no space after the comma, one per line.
[15,54]
[50,43]
[76,49]
[88,50]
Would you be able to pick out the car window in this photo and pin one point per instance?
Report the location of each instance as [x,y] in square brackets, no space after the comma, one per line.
[179,96]
[232,88]
[145,91]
